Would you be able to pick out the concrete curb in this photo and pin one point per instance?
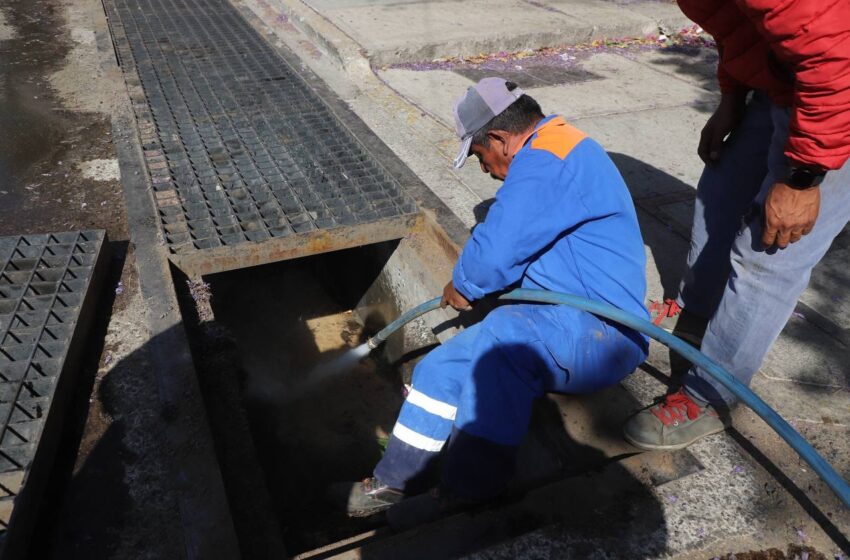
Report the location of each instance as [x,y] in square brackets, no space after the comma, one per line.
[350,53]
[207,525]
[208,530]
[345,50]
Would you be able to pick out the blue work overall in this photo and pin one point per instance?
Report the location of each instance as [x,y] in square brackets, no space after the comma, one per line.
[564,221]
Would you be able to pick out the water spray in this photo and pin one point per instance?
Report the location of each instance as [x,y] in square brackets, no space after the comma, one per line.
[741,391]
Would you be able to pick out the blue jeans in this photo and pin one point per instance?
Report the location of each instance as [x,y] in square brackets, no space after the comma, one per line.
[749,292]
[476,393]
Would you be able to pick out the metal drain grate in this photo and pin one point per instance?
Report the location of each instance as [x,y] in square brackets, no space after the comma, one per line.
[239,147]
[44,280]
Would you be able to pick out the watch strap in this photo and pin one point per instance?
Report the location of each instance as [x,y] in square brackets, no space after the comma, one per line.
[804,176]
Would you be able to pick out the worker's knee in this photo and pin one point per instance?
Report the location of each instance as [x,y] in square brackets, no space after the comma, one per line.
[448,363]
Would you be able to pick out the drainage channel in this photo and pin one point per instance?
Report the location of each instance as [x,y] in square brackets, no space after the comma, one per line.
[248,163]
[257,334]
[297,316]
[48,284]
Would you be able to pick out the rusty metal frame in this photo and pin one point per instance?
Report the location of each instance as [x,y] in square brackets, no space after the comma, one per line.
[222,259]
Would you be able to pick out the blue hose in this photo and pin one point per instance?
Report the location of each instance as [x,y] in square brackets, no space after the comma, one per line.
[741,391]
[402,320]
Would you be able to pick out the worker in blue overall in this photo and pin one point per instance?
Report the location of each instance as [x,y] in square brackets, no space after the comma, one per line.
[563,221]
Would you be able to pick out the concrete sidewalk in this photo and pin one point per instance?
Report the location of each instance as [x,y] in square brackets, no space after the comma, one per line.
[646,105]
[393,31]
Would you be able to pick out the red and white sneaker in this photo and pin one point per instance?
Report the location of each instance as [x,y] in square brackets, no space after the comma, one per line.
[664,314]
[673,423]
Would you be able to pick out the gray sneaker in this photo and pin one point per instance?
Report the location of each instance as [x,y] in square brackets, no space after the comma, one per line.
[674,423]
[364,498]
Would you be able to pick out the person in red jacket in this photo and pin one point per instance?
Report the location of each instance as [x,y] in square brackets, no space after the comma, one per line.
[774,194]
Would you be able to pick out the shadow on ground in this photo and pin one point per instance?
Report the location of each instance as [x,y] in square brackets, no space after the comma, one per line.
[109,489]
[696,62]
[566,496]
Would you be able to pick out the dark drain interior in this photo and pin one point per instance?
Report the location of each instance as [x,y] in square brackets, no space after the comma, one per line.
[273,325]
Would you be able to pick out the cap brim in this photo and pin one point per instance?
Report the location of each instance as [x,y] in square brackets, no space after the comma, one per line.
[463,153]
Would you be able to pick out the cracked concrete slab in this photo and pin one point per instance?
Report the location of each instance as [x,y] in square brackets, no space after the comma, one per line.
[432,91]
[802,402]
[466,28]
[808,355]
[666,15]
[622,19]
[696,66]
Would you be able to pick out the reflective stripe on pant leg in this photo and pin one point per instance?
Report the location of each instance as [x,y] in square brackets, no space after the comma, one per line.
[426,417]
[764,287]
[422,428]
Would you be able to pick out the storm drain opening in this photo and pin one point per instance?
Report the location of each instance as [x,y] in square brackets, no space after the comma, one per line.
[264,333]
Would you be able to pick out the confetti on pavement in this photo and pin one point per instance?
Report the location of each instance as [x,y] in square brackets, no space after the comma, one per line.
[689,38]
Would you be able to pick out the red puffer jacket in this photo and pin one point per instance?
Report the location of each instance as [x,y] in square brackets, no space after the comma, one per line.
[798,51]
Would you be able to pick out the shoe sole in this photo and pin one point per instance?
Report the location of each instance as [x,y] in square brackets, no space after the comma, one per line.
[668,447]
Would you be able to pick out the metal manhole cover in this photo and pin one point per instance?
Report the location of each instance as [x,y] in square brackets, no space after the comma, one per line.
[45,283]
[240,149]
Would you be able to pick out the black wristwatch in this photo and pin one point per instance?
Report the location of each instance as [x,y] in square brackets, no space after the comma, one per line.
[802,177]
